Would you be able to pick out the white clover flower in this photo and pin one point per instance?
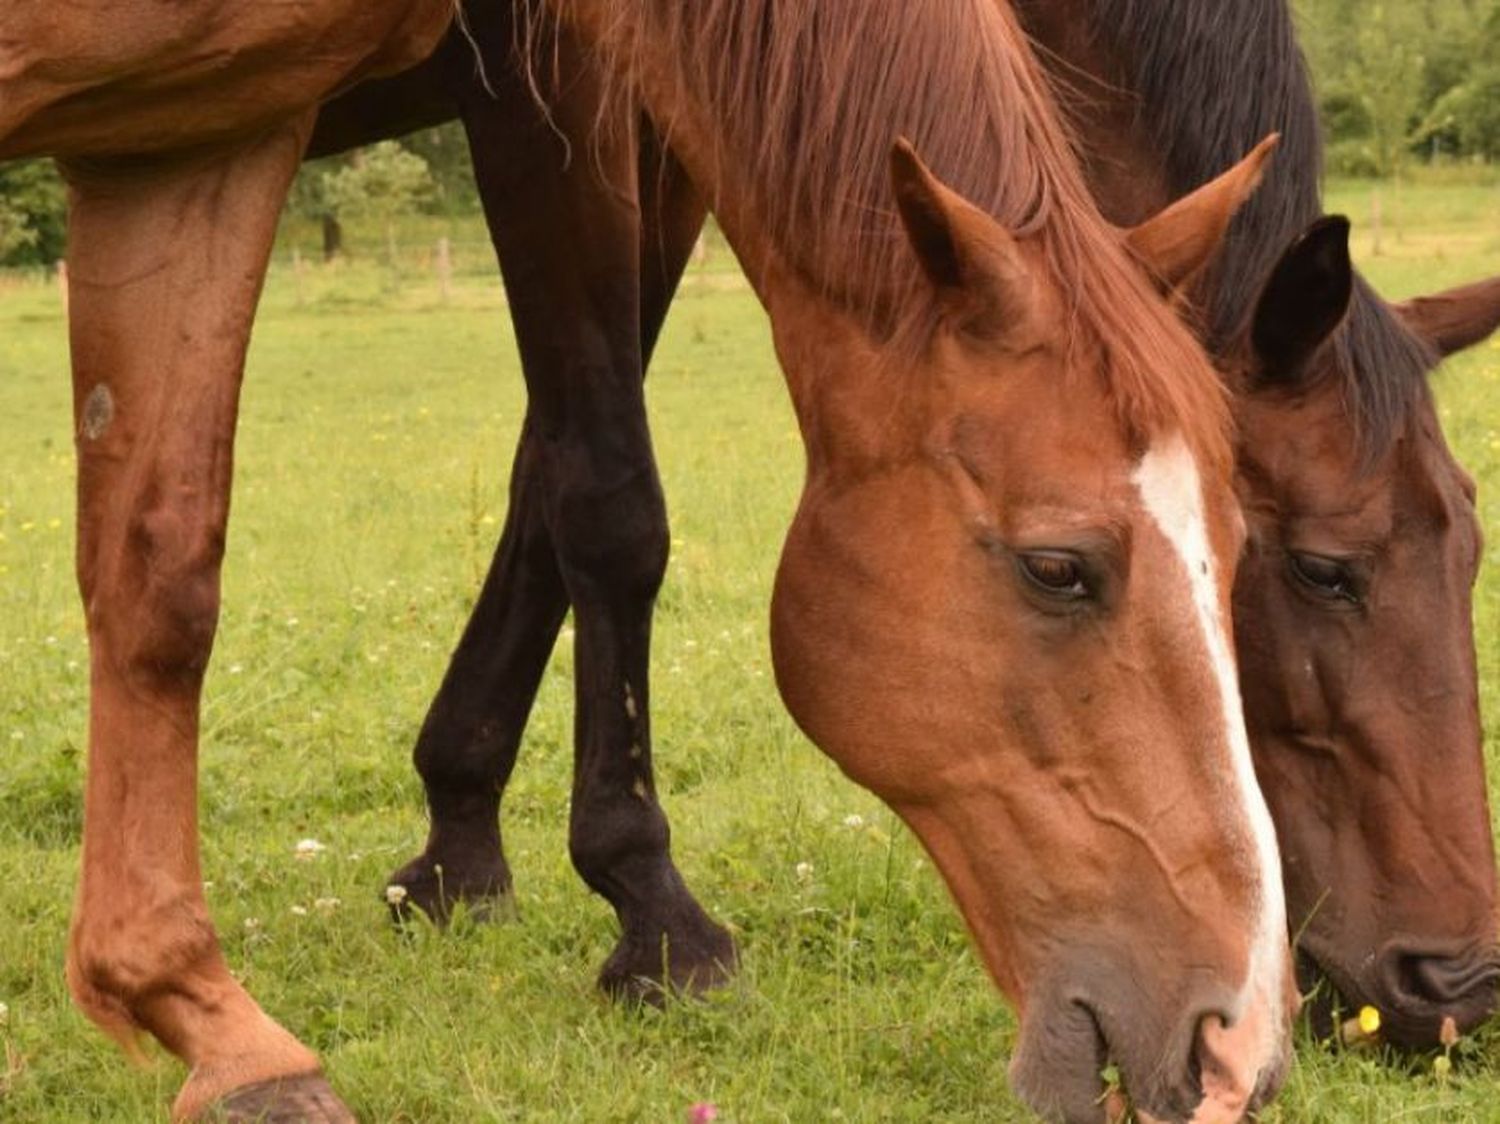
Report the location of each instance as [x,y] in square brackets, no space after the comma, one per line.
[804,871]
[308,848]
[395,894]
[252,924]
[327,905]
[299,911]
[854,820]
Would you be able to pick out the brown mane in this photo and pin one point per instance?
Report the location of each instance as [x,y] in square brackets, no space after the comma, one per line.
[807,97]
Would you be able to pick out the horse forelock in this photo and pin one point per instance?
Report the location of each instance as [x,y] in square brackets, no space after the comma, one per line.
[806,98]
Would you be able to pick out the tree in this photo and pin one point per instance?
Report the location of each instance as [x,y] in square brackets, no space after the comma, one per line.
[1468,113]
[446,150]
[1395,76]
[1387,77]
[309,199]
[379,183]
[33,213]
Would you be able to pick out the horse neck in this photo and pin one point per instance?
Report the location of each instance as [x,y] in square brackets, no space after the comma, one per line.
[814,225]
[687,127]
[1165,95]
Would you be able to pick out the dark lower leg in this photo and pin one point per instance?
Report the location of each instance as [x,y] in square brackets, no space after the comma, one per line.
[468,744]
[618,834]
[587,517]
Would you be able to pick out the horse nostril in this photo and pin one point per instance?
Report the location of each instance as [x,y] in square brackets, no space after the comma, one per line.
[1226,1064]
[1443,980]
[1420,987]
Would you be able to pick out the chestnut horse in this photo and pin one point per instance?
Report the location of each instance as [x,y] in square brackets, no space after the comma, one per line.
[1003,604]
[1328,405]
[572,255]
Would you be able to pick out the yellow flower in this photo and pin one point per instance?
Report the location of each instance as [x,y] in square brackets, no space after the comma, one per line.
[1369,1020]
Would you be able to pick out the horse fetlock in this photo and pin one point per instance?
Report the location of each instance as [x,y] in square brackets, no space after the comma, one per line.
[624,842]
[678,949]
[445,875]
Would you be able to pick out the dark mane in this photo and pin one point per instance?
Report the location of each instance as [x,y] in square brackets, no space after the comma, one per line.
[802,100]
[1213,77]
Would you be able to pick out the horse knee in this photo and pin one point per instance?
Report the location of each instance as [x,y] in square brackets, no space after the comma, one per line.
[611,534]
[152,593]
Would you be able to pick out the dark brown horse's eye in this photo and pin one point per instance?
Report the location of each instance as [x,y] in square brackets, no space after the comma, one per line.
[1056,574]
[1331,578]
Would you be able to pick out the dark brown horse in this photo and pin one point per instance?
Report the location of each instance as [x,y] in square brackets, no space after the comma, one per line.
[1003,604]
[1329,406]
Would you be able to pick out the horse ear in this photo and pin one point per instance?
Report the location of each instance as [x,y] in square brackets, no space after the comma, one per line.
[1304,300]
[1456,319]
[973,262]
[1181,240]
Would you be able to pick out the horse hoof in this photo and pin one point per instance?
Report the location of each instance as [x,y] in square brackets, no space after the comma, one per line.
[635,973]
[434,888]
[303,1098]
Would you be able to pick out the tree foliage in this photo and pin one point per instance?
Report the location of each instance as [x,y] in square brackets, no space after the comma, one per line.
[33,213]
[380,182]
[1404,79]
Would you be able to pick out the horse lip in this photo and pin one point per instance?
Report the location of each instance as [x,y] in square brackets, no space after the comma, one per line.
[1063,1079]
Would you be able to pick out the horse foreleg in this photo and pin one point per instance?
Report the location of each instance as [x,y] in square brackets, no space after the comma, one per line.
[468,743]
[587,524]
[166,258]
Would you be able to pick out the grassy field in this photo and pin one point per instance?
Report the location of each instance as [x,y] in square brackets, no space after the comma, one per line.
[377,426]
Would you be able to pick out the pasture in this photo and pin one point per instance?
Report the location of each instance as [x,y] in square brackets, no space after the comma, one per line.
[378,420]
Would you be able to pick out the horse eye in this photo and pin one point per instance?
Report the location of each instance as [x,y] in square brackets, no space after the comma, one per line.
[1326,577]
[1057,575]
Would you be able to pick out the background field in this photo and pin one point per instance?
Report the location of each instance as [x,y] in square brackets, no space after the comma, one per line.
[377,426]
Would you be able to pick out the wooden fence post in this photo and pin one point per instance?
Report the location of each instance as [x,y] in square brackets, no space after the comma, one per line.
[444,269]
[298,268]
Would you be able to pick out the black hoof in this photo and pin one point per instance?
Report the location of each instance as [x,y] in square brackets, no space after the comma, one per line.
[304,1098]
[435,887]
[694,960]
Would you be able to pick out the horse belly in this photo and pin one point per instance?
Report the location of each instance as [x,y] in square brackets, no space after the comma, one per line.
[104,77]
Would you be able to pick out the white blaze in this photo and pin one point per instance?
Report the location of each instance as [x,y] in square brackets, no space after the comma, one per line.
[1168,482]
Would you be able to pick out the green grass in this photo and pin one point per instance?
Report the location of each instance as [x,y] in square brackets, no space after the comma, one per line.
[375,440]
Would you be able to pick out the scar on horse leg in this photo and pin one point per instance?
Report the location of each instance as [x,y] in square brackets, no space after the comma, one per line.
[166,259]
